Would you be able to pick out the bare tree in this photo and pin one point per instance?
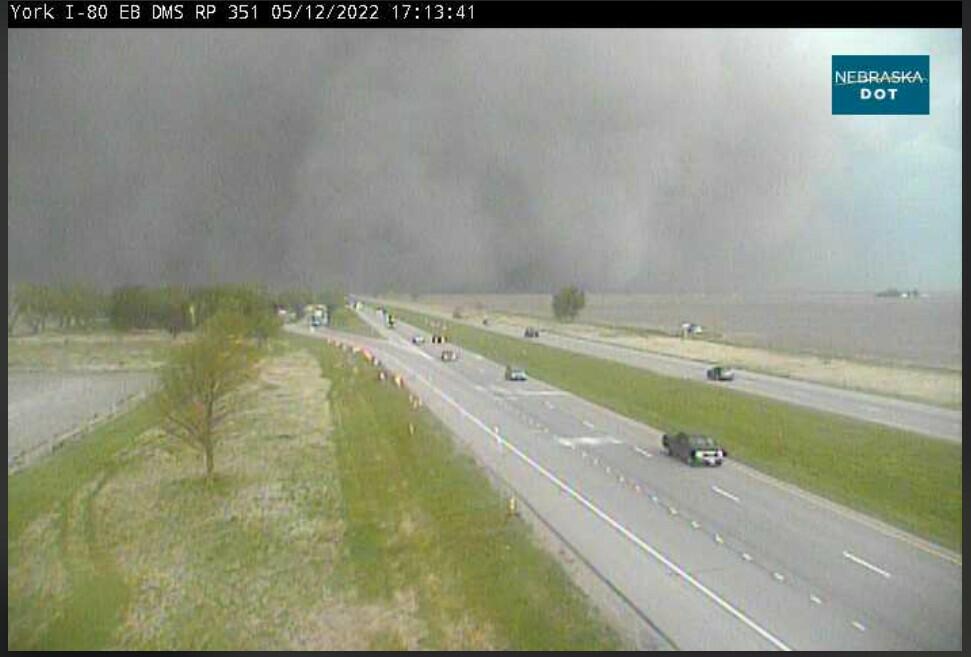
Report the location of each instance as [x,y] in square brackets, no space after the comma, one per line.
[197,384]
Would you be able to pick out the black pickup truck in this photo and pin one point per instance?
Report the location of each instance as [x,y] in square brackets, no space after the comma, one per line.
[694,450]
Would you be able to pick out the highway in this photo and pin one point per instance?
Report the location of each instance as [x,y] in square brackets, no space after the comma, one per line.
[901,414]
[717,558]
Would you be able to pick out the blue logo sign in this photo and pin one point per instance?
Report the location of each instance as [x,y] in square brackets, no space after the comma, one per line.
[881,84]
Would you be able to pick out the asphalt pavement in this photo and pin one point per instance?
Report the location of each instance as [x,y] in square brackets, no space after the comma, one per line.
[925,419]
[718,558]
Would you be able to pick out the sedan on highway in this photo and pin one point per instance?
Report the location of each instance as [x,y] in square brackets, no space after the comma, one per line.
[693,450]
[418,339]
[449,356]
[515,373]
[531,332]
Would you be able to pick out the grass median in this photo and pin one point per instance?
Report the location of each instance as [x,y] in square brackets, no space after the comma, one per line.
[906,479]
[345,319]
[423,525]
[328,525]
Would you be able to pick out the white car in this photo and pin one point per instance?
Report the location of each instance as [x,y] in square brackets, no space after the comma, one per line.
[418,339]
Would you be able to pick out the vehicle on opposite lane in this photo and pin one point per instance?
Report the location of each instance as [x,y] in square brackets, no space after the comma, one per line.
[438,338]
[693,449]
[531,332]
[418,339]
[514,373]
[449,356]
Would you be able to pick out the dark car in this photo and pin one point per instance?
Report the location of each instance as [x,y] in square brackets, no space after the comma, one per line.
[531,332]
[720,373]
[694,449]
[514,373]
[448,355]
[438,338]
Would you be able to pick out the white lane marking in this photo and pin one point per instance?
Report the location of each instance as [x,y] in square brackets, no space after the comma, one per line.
[711,595]
[886,530]
[746,556]
[588,440]
[672,511]
[694,524]
[527,393]
[588,425]
[860,626]
[548,405]
[719,539]
[815,599]
[724,493]
[779,577]
[643,452]
[865,564]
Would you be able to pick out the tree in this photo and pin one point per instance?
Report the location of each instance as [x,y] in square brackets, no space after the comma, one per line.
[197,384]
[568,302]
[13,307]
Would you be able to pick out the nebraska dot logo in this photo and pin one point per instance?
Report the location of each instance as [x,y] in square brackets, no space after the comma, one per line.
[881,84]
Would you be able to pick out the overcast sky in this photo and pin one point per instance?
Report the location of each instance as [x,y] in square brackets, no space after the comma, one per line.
[477,160]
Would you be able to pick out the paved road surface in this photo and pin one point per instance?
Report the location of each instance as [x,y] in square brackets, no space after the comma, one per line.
[43,405]
[921,418]
[721,558]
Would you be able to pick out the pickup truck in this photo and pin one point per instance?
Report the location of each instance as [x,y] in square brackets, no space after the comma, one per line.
[693,450]
[720,373]
[514,373]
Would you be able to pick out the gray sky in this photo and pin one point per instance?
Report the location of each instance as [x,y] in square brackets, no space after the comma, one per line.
[477,160]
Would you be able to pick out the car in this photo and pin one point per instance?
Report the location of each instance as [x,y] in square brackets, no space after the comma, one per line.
[438,338]
[720,373]
[694,449]
[485,321]
[418,339]
[314,321]
[449,356]
[514,373]
[531,332]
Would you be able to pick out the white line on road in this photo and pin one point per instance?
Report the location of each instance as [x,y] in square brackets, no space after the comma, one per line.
[779,577]
[724,493]
[711,595]
[865,564]
[643,452]
[860,626]
[815,599]
[588,425]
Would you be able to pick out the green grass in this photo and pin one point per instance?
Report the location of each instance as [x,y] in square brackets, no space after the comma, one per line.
[345,319]
[63,487]
[421,517]
[355,537]
[906,479]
